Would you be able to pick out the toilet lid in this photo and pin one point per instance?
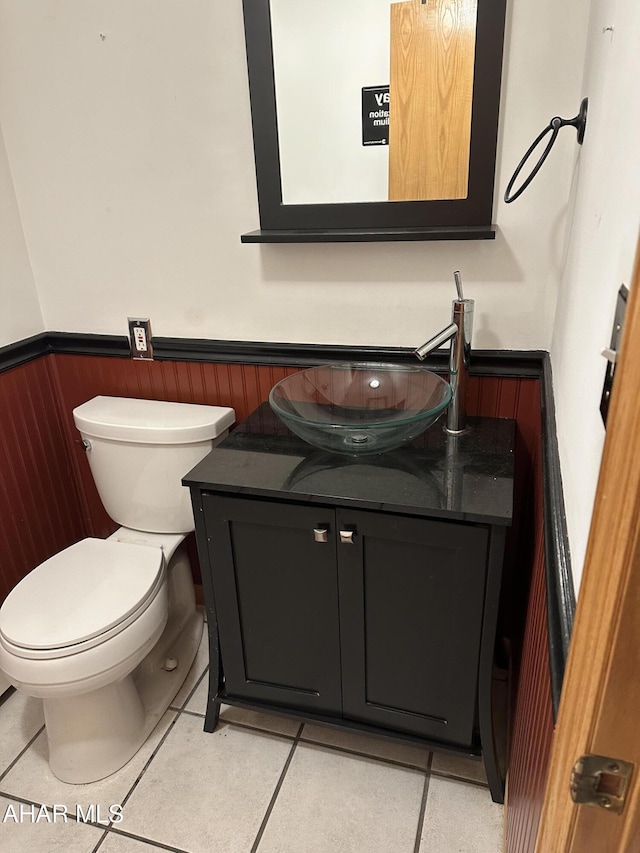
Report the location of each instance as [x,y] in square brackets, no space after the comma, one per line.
[80,593]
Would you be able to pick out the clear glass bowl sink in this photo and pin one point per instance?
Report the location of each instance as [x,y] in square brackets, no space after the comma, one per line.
[360,407]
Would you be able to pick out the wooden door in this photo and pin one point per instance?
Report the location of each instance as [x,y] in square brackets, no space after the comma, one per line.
[411,606]
[276,595]
[431,96]
[600,704]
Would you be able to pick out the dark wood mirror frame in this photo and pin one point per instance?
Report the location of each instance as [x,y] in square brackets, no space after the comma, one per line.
[459,219]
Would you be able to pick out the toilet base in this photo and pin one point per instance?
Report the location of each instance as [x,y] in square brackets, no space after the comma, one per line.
[96,733]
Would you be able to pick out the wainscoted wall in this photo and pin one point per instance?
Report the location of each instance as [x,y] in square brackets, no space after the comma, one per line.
[48,500]
[243,387]
[532,722]
[39,505]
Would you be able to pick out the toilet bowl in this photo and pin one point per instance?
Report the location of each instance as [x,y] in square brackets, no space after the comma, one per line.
[74,624]
[101,666]
[105,631]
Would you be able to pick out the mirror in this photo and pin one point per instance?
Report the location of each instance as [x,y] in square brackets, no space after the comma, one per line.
[374,119]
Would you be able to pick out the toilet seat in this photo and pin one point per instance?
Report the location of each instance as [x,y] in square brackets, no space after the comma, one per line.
[80,597]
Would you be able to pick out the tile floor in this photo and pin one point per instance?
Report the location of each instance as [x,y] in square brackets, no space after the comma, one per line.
[259,783]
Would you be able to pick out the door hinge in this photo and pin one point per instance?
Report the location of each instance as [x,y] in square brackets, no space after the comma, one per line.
[597,780]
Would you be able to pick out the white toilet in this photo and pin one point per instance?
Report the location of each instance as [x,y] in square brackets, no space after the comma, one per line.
[105,631]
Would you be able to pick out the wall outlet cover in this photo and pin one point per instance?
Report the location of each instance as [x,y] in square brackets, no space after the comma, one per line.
[140,338]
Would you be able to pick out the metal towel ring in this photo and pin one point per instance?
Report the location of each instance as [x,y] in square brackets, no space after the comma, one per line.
[554,126]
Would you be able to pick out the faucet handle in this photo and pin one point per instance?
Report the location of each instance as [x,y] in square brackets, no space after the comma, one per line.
[458,280]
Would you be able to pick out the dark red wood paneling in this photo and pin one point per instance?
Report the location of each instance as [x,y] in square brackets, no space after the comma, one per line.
[39,502]
[532,725]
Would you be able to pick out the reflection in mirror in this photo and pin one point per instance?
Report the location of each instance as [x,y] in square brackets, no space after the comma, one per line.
[322,60]
[373,99]
[432,62]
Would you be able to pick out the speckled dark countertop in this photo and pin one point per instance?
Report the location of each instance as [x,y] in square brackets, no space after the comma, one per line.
[465,478]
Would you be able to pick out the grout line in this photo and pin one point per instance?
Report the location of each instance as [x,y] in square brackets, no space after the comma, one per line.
[122,832]
[423,806]
[453,778]
[21,753]
[192,691]
[187,712]
[4,697]
[274,797]
[249,728]
[393,761]
[245,726]
[100,841]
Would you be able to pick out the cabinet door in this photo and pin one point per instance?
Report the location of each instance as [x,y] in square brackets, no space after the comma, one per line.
[276,599]
[411,604]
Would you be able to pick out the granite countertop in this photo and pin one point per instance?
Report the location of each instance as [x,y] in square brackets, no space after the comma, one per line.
[465,478]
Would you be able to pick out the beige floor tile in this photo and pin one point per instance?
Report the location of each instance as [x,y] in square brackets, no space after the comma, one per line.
[32,778]
[207,792]
[21,833]
[461,817]
[20,718]
[121,844]
[413,756]
[332,802]
[454,765]
[200,663]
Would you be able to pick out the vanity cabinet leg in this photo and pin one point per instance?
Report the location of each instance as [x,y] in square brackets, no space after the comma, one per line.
[215,682]
[488,713]
[213,714]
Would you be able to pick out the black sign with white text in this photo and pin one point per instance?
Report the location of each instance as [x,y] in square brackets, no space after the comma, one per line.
[375,115]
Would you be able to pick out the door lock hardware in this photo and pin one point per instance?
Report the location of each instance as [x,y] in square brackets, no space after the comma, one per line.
[346,536]
[321,534]
[611,352]
[597,780]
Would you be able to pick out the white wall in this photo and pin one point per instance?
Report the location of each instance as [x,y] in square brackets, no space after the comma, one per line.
[128,135]
[20,316]
[320,69]
[600,253]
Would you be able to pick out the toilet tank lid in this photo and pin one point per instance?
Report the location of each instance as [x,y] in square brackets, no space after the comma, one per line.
[151,421]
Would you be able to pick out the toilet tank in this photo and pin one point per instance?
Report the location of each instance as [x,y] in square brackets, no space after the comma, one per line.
[139,450]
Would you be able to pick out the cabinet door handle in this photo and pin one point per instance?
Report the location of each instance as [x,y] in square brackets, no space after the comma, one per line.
[321,534]
[346,537]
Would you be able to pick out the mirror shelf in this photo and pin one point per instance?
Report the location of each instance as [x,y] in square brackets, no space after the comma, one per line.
[372,235]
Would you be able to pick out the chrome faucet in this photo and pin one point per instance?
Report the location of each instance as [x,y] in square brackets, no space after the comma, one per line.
[459,333]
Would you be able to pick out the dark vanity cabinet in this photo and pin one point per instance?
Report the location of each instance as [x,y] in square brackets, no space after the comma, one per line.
[359,614]
[361,593]
[276,593]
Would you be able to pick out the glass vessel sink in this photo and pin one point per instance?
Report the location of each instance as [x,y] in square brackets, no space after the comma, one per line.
[360,407]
